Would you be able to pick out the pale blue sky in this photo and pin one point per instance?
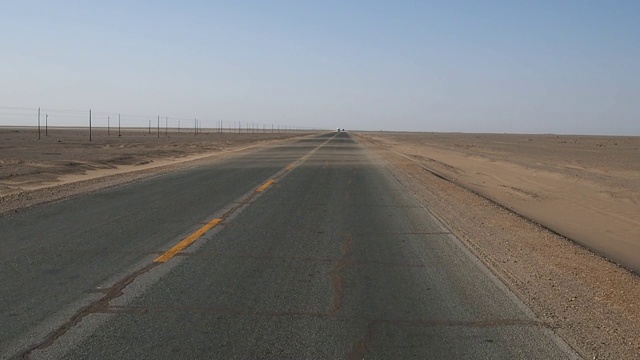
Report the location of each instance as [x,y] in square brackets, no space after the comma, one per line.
[473,66]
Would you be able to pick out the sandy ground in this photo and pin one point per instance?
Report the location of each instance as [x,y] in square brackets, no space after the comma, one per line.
[491,184]
[65,163]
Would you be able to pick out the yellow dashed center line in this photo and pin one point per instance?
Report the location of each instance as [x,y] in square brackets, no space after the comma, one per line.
[187,241]
[266,185]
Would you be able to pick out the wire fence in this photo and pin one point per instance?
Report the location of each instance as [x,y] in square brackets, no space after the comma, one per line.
[114,123]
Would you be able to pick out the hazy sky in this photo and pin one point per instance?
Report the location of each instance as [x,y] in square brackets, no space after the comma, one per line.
[557,66]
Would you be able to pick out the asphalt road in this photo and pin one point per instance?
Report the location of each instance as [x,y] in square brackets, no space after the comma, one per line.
[308,250]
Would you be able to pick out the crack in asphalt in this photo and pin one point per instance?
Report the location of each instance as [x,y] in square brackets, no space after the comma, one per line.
[336,274]
[113,292]
[360,347]
[353,262]
[215,310]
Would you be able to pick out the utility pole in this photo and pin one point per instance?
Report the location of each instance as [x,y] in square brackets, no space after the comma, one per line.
[46,124]
[195,127]
[38,123]
[108,125]
[166,126]
[158,126]
[119,125]
[149,126]
[89,124]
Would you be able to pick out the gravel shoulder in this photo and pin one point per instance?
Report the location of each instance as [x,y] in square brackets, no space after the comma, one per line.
[592,303]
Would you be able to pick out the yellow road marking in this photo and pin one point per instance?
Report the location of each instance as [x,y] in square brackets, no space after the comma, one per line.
[203,230]
[187,241]
[266,185]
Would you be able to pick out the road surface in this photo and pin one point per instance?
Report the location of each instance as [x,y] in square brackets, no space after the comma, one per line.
[309,250]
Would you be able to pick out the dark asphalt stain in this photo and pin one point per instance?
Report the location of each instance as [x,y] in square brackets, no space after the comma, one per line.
[336,274]
[99,305]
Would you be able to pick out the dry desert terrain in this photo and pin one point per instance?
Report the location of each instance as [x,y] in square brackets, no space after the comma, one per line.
[551,216]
